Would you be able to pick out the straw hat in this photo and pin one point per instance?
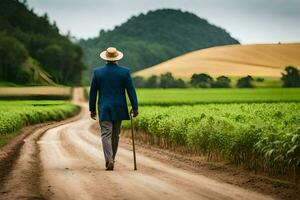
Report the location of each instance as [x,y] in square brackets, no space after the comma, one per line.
[111,54]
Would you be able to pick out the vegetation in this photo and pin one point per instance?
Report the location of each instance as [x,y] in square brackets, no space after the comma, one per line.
[263,136]
[291,77]
[222,82]
[154,37]
[193,96]
[13,54]
[16,114]
[201,80]
[165,80]
[245,82]
[26,36]
[168,81]
[255,128]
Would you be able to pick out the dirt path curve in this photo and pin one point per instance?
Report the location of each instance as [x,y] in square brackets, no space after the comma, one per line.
[71,166]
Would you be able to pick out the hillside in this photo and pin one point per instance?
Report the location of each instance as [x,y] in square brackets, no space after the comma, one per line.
[266,60]
[151,38]
[32,50]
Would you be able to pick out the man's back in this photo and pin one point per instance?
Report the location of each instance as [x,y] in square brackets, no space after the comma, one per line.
[111,81]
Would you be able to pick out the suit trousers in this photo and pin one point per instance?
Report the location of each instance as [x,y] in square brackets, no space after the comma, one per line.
[110,131]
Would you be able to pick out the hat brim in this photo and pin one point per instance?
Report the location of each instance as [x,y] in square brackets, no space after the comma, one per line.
[104,57]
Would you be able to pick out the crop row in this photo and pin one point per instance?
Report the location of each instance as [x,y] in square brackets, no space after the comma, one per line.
[258,136]
[16,114]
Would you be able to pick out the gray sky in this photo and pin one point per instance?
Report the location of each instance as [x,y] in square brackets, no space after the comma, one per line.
[249,21]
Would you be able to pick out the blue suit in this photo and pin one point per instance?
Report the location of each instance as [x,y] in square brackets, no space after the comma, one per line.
[110,82]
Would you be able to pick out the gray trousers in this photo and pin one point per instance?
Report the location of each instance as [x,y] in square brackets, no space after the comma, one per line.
[110,131]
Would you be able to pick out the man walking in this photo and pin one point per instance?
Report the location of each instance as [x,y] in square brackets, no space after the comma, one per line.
[110,82]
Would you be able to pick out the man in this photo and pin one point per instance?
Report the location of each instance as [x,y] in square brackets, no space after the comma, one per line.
[110,82]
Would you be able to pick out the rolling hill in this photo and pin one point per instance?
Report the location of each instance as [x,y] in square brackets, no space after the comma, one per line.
[154,37]
[267,60]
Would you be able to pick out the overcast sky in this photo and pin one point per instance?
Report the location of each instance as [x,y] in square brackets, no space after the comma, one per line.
[249,21]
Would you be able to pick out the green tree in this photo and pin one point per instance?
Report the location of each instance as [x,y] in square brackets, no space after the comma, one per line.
[12,55]
[151,82]
[73,64]
[52,58]
[179,83]
[291,77]
[222,82]
[260,80]
[25,75]
[42,41]
[139,81]
[201,80]
[166,80]
[245,82]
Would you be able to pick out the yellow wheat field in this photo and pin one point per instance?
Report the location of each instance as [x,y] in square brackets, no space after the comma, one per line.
[267,60]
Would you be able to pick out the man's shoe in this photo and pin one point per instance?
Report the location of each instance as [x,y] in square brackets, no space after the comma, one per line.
[110,165]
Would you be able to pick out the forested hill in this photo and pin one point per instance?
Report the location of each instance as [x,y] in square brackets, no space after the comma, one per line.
[32,47]
[148,39]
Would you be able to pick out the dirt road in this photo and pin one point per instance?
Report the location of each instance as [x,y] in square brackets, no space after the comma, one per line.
[71,164]
[73,168]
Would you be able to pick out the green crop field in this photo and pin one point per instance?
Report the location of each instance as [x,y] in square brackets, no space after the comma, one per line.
[193,96]
[17,114]
[167,97]
[259,136]
[256,128]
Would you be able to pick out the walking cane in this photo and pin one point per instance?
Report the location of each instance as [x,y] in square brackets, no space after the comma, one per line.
[132,135]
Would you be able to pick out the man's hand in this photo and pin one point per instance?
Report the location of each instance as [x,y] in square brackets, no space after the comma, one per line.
[134,113]
[93,115]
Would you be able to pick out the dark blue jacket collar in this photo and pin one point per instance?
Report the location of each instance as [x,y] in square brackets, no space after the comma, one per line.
[111,64]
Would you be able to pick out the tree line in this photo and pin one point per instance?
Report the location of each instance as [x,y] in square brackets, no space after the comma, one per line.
[24,35]
[290,78]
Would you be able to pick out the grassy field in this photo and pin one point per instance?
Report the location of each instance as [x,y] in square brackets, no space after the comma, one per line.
[254,128]
[16,114]
[263,136]
[35,93]
[166,97]
[264,60]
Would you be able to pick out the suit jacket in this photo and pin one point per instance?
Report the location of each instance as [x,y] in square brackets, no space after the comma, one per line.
[110,82]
